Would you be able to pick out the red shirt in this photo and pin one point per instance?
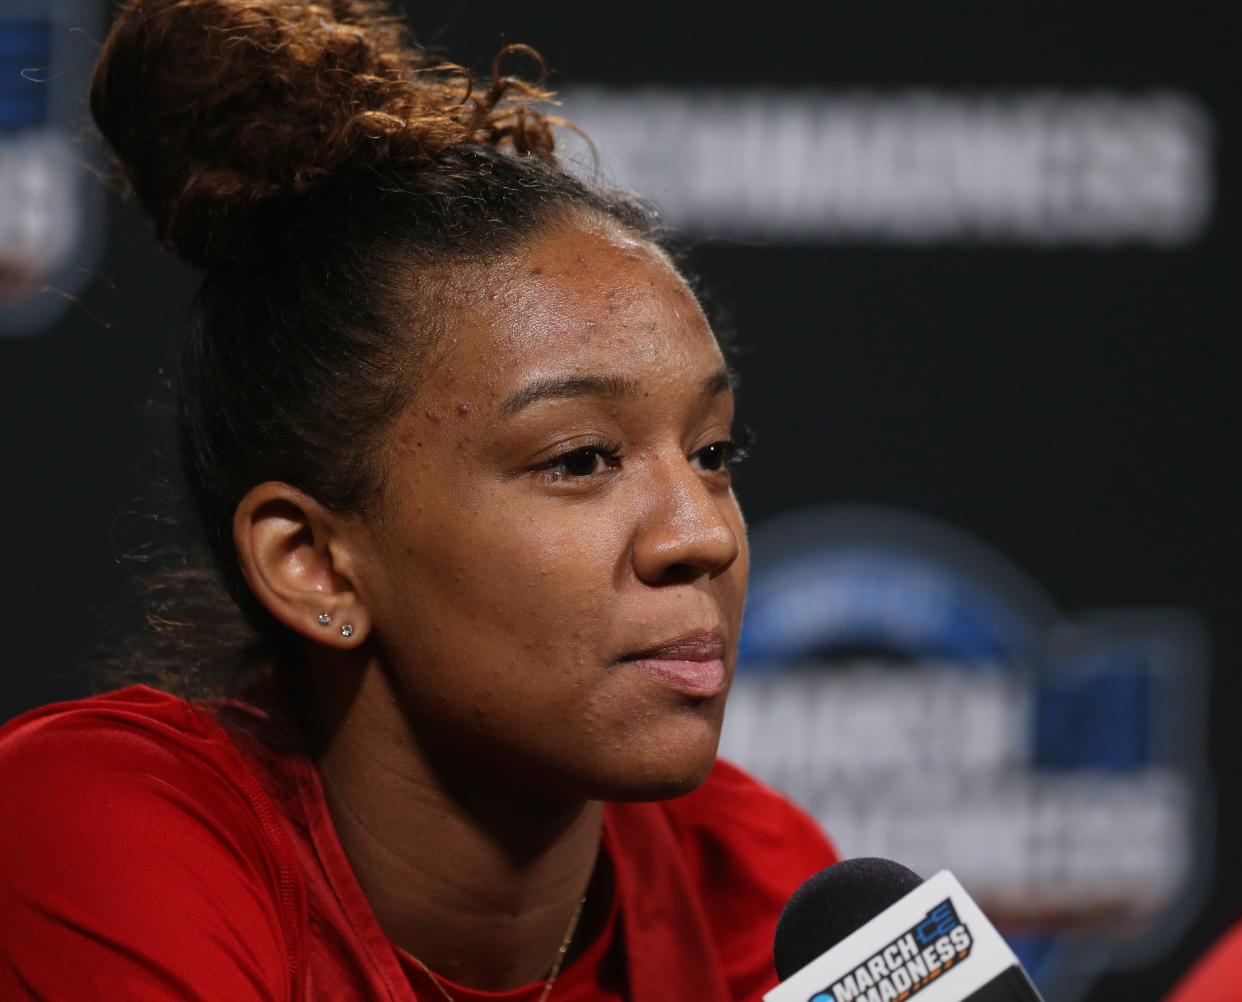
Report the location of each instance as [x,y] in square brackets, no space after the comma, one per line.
[1218,976]
[147,852]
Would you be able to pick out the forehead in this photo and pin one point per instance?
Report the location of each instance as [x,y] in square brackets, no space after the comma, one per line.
[577,300]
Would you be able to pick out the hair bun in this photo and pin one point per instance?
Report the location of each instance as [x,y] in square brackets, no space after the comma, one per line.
[217,107]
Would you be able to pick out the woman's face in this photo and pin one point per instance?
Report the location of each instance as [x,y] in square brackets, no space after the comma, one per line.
[557,579]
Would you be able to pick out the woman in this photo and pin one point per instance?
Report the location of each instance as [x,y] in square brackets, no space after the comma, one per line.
[459,438]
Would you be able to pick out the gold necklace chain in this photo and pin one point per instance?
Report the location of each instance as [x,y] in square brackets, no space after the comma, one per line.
[552,974]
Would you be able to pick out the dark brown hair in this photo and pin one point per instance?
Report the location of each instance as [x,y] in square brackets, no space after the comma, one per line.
[324,170]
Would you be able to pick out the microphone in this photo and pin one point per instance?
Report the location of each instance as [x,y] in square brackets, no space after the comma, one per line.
[871,930]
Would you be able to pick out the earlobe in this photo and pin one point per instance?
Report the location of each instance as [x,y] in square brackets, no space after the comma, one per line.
[298,563]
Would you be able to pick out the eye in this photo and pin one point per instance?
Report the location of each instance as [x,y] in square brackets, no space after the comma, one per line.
[714,457]
[719,456]
[587,461]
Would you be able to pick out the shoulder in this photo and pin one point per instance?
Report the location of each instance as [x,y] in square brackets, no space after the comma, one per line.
[138,720]
[136,759]
[735,814]
[748,848]
[141,852]
[1217,976]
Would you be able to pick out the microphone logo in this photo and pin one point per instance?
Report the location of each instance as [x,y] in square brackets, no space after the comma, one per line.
[909,963]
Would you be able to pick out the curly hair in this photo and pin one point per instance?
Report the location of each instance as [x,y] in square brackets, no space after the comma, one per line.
[325,171]
[217,106]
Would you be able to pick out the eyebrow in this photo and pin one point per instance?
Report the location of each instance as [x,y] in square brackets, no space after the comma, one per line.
[606,387]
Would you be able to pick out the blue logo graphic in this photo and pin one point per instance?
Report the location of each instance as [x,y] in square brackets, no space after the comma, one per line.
[940,921]
[927,702]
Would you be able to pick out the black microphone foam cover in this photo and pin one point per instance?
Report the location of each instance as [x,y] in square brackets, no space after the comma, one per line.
[834,903]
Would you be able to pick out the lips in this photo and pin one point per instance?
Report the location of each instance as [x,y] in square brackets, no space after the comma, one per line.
[692,664]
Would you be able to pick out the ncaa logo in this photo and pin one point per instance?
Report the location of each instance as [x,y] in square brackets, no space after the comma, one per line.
[926,701]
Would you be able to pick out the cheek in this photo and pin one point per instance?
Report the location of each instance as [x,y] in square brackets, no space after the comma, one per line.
[506,582]
[548,566]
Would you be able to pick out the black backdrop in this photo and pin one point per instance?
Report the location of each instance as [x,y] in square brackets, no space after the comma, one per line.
[1075,407]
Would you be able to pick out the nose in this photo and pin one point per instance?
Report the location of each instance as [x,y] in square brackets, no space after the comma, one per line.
[690,530]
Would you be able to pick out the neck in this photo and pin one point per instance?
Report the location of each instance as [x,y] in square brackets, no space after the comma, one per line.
[465,871]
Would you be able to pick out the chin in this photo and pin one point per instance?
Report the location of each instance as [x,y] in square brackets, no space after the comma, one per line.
[664,766]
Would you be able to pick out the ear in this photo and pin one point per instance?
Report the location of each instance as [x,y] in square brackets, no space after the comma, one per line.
[299,562]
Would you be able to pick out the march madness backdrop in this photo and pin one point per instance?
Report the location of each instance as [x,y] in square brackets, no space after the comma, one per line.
[982,260]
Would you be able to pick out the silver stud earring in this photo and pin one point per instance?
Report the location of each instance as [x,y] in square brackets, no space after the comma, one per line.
[324,619]
[347,630]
